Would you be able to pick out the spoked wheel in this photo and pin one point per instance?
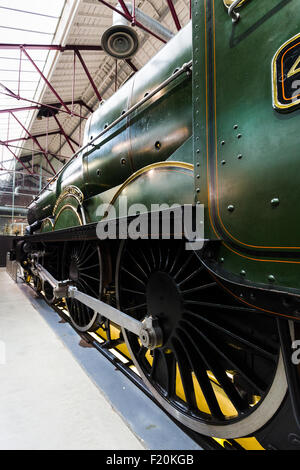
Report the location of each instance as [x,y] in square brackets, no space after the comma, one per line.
[220,370]
[82,264]
[51,262]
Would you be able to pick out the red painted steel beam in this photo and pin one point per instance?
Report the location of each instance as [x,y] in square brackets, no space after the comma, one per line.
[15,156]
[28,138]
[88,75]
[50,47]
[75,48]
[36,141]
[50,106]
[16,110]
[74,141]
[43,168]
[82,103]
[55,155]
[7,90]
[19,172]
[55,106]
[129,18]
[174,14]
[37,151]
[131,65]
[125,9]
[63,133]
[45,80]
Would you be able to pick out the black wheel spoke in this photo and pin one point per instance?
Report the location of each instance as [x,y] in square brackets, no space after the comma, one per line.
[135,263]
[142,352]
[167,259]
[89,267]
[175,260]
[146,261]
[136,307]
[159,257]
[185,264]
[90,277]
[81,256]
[87,287]
[218,306]
[170,367]
[85,260]
[133,276]
[196,289]
[221,376]
[253,381]
[159,370]
[197,271]
[197,365]
[82,264]
[254,346]
[185,374]
[152,258]
[132,291]
[164,371]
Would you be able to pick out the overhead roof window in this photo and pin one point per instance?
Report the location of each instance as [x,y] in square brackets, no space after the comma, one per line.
[30,22]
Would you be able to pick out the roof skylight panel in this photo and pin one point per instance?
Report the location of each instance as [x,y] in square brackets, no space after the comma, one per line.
[30,22]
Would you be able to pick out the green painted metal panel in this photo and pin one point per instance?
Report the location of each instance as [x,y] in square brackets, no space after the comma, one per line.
[67,217]
[160,185]
[258,160]
[247,151]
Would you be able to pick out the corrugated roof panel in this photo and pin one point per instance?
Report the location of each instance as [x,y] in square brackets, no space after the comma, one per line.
[31,22]
[90,21]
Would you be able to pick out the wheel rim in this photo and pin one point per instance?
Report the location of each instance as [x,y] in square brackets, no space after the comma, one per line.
[82,264]
[220,370]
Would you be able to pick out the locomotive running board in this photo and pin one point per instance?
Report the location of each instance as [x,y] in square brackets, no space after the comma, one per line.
[147,330]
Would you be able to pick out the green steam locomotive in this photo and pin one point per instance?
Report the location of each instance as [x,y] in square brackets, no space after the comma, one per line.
[212,120]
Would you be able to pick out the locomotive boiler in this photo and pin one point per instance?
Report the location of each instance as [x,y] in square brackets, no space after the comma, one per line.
[211,120]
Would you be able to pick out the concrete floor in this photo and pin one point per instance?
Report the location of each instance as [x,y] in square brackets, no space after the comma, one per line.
[46,399]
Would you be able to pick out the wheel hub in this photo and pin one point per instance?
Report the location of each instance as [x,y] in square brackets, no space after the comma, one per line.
[151,335]
[164,302]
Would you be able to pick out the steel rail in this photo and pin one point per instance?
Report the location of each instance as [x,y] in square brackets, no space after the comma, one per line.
[186,68]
